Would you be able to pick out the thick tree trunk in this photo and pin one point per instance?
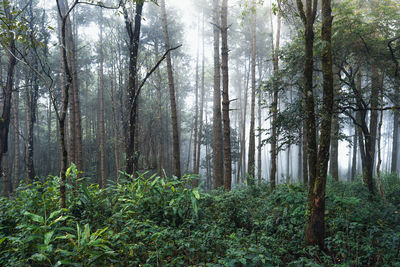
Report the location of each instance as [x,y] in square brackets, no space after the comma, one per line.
[225,97]
[315,228]
[217,124]
[174,116]
[6,112]
[252,142]
[132,105]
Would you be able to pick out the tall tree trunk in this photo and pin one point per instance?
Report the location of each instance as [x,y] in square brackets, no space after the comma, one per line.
[201,103]
[134,37]
[334,163]
[101,103]
[217,124]
[174,116]
[252,142]
[16,139]
[395,141]
[6,112]
[355,154]
[274,152]
[318,158]
[64,15]
[225,96]
[196,112]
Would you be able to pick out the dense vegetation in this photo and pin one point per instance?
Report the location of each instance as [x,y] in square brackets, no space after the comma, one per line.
[162,222]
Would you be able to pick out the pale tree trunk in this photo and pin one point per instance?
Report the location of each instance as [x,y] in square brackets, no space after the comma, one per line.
[201,104]
[76,101]
[259,162]
[252,142]
[16,139]
[217,124]
[115,124]
[196,112]
[174,117]
[101,104]
[243,119]
[225,97]
[395,141]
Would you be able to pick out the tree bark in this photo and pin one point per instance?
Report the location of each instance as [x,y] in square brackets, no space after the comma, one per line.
[252,142]
[65,98]
[201,103]
[174,116]
[134,37]
[275,59]
[217,124]
[395,141]
[6,112]
[334,163]
[101,103]
[16,139]
[355,154]
[225,97]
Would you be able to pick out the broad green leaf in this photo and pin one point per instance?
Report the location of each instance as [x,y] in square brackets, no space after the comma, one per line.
[34,217]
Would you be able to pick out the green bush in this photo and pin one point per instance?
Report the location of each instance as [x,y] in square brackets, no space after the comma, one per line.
[152,221]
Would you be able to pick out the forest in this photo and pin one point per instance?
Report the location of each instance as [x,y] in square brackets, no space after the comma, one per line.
[199,133]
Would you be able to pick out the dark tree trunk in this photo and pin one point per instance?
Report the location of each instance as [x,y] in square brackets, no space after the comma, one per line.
[225,97]
[355,154]
[174,116]
[6,112]
[217,149]
[318,158]
[134,37]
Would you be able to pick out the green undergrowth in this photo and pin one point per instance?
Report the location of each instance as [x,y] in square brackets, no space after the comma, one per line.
[155,222]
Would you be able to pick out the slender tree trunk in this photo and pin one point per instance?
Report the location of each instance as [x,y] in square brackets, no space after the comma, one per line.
[76,100]
[355,154]
[174,116]
[64,15]
[16,139]
[201,103]
[225,97]
[395,141]
[196,112]
[252,143]
[101,104]
[274,152]
[217,124]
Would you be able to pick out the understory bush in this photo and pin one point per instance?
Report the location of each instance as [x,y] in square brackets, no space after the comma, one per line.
[152,221]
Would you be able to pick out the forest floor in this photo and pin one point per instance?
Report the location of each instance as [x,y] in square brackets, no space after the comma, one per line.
[156,222]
